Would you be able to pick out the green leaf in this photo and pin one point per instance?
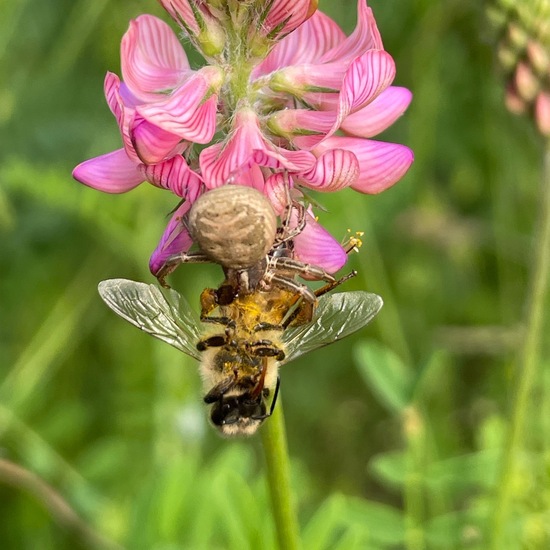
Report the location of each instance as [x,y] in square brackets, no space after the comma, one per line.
[320,531]
[383,524]
[464,472]
[460,529]
[390,468]
[386,375]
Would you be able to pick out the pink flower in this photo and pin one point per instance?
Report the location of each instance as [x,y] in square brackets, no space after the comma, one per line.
[208,24]
[314,83]
[336,83]
[153,62]
[295,97]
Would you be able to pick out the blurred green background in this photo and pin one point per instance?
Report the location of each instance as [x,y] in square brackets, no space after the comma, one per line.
[394,434]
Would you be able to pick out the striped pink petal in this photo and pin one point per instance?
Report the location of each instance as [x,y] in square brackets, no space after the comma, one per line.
[316,246]
[367,76]
[381,164]
[378,115]
[153,144]
[124,115]
[152,59]
[285,15]
[246,146]
[174,240]
[186,112]
[182,13]
[112,173]
[221,161]
[306,44]
[174,175]
[276,190]
[335,169]
[364,37]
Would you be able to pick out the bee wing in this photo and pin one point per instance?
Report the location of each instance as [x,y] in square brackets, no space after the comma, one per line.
[168,318]
[337,316]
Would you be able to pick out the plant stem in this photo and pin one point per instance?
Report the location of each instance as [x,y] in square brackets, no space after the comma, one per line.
[528,360]
[278,477]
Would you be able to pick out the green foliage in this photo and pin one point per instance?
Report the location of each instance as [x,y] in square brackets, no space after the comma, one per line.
[395,433]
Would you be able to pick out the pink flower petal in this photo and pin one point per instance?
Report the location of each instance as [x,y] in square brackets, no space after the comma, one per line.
[124,115]
[186,112]
[306,44]
[366,77]
[279,158]
[316,246]
[542,113]
[252,177]
[275,189]
[335,169]
[111,88]
[153,144]
[379,114]
[225,163]
[364,37]
[175,175]
[300,79]
[381,164]
[152,59]
[287,14]
[301,121]
[181,13]
[221,161]
[112,173]
[246,145]
[174,240]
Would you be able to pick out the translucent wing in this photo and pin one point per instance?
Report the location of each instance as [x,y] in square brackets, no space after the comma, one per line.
[337,316]
[169,319]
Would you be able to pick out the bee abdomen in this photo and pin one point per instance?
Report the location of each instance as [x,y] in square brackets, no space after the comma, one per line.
[234,225]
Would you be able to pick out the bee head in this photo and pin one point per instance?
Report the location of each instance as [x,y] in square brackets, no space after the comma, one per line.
[238,414]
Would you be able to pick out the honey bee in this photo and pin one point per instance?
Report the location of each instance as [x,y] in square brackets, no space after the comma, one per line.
[265,316]
[239,363]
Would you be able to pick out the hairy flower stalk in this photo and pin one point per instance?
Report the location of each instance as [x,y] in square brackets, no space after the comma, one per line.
[524,53]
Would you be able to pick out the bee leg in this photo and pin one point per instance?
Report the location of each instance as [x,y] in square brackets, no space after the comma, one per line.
[219,390]
[216,320]
[216,341]
[266,326]
[273,402]
[266,348]
[171,264]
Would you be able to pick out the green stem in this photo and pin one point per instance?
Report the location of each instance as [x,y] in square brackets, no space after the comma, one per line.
[528,361]
[278,477]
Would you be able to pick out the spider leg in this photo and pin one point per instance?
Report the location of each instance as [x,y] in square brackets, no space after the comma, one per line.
[174,261]
[302,269]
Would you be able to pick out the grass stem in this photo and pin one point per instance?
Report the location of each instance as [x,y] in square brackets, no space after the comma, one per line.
[528,361]
[278,477]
